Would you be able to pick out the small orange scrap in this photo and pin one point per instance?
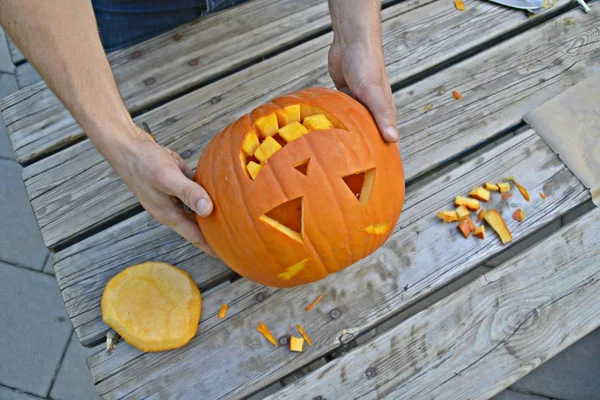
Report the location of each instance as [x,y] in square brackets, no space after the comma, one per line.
[262,328]
[543,195]
[480,215]
[464,228]
[304,334]
[506,196]
[519,215]
[223,311]
[523,191]
[459,5]
[314,303]
[455,93]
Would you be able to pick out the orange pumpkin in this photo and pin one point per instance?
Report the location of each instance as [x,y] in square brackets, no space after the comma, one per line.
[302,187]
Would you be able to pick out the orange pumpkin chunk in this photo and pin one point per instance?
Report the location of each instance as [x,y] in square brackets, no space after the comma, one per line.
[506,196]
[462,212]
[292,131]
[317,122]
[492,187]
[459,5]
[504,187]
[223,311]
[543,195]
[288,114]
[266,149]
[480,232]
[471,224]
[153,306]
[253,169]
[480,193]
[471,204]
[495,220]
[448,216]
[519,215]
[314,303]
[480,215]
[463,227]
[377,229]
[296,344]
[250,143]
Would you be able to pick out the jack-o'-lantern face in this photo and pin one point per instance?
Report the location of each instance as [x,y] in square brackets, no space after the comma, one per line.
[302,187]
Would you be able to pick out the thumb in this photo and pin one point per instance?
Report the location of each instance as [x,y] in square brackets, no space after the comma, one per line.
[378,99]
[190,193]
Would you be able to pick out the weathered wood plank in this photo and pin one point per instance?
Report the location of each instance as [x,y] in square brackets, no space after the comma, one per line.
[76,189]
[422,255]
[26,75]
[37,123]
[15,54]
[484,337]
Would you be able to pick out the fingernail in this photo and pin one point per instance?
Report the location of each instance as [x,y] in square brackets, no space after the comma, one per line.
[391,133]
[202,207]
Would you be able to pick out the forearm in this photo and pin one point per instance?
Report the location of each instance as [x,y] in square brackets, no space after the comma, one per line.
[60,38]
[356,21]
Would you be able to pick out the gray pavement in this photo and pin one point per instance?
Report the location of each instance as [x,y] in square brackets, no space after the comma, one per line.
[41,358]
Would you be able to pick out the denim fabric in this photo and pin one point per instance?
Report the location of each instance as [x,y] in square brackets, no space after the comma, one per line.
[123,23]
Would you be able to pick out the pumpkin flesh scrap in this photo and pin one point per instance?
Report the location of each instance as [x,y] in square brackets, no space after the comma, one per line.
[471,204]
[496,222]
[448,216]
[296,344]
[522,189]
[223,311]
[462,212]
[314,303]
[480,193]
[264,330]
[153,306]
[304,334]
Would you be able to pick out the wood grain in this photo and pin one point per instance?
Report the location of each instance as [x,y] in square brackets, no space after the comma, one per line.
[484,337]
[38,123]
[76,189]
[422,255]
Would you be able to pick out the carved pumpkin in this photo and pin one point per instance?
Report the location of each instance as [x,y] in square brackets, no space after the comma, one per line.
[302,187]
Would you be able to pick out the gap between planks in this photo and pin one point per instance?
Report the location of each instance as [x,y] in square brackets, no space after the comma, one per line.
[75,190]
[422,256]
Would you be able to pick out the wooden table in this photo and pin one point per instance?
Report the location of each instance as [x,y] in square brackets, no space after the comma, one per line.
[476,340]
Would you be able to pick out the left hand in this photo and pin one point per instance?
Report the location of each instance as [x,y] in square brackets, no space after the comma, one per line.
[359,68]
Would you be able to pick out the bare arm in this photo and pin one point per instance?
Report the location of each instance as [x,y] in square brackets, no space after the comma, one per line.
[356,60]
[60,38]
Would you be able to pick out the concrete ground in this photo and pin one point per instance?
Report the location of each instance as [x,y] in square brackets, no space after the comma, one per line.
[41,358]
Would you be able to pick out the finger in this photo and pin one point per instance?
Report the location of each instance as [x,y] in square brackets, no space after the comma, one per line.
[189,192]
[378,99]
[187,171]
[334,61]
[189,230]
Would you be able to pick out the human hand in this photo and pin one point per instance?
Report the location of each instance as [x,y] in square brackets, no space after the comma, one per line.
[359,70]
[356,62]
[162,181]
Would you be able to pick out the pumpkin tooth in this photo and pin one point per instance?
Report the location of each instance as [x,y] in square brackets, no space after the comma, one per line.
[292,131]
[267,148]
[253,169]
[267,125]
[288,114]
[250,143]
[317,122]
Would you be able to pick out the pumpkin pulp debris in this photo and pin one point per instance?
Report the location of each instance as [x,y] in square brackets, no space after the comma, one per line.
[153,306]
[522,189]
[223,311]
[314,303]
[304,334]
[496,222]
[264,330]
[296,344]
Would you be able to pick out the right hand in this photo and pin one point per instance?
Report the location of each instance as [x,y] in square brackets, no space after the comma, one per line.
[161,181]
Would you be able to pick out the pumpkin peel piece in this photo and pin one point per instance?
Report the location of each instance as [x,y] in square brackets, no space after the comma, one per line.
[304,334]
[223,311]
[522,189]
[264,330]
[314,303]
[496,222]
[153,306]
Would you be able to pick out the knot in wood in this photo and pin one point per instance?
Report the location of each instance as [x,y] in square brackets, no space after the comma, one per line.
[318,398]
[284,340]
[136,54]
[186,154]
[149,81]
[177,37]
[193,62]
[170,121]
[335,313]
[260,297]
[215,100]
[371,372]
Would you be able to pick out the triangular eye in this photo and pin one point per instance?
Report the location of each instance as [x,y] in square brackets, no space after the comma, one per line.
[302,167]
[361,185]
[287,218]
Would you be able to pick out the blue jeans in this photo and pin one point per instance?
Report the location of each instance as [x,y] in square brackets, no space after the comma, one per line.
[123,23]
